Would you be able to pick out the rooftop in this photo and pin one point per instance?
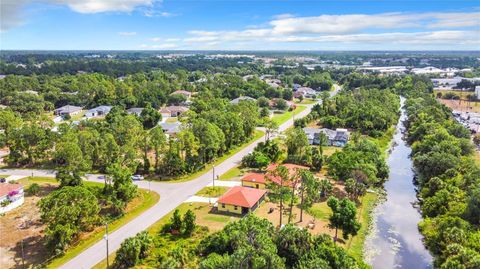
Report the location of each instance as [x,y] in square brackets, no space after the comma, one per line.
[242,196]
[254,177]
[6,188]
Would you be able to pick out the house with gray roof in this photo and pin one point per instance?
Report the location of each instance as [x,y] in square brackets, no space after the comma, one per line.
[98,111]
[67,110]
[337,138]
[135,111]
[171,128]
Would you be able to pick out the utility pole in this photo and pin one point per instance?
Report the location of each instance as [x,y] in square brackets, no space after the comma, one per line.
[213,176]
[106,239]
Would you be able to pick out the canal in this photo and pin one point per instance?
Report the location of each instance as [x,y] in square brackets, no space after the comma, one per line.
[394,240]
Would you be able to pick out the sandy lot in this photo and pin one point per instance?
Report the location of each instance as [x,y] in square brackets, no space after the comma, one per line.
[23,222]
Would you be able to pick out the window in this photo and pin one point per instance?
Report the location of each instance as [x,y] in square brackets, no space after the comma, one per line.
[256,185]
[236,207]
[223,205]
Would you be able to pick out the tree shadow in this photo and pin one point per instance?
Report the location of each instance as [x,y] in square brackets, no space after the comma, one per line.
[34,251]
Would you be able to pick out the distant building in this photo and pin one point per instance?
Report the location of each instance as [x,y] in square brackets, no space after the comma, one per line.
[187,94]
[172,111]
[337,138]
[242,98]
[11,195]
[67,110]
[135,111]
[240,200]
[477,92]
[305,92]
[171,128]
[98,111]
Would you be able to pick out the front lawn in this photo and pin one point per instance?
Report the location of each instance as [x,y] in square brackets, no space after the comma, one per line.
[282,118]
[216,191]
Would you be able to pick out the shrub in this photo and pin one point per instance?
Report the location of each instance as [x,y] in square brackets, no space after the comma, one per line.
[33,189]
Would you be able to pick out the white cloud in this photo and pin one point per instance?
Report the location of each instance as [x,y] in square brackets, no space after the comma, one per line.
[153,13]
[156,39]
[11,13]
[127,33]
[361,29]
[96,6]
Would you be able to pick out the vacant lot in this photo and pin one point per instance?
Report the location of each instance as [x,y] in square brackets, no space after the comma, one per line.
[23,222]
[461,105]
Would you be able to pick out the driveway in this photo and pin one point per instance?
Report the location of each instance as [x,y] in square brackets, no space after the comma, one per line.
[171,196]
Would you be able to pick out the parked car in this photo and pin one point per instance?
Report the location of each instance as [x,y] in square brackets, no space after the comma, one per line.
[137,177]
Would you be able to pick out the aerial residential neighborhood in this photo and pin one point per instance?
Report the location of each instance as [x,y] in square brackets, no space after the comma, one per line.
[239,134]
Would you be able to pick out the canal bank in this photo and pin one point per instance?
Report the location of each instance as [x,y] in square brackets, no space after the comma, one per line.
[394,240]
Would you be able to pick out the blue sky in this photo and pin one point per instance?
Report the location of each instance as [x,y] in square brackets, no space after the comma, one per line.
[240,25]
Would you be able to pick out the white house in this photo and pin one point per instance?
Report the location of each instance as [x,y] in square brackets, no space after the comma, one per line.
[98,111]
[11,196]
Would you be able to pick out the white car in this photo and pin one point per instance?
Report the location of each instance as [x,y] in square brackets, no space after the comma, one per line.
[137,177]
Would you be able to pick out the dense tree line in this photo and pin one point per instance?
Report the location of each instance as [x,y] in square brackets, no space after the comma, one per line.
[254,243]
[368,111]
[449,181]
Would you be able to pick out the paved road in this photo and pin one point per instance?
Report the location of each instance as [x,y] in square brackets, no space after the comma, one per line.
[171,196]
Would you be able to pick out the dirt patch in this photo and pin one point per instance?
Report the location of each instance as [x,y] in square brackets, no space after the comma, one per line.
[461,105]
[23,222]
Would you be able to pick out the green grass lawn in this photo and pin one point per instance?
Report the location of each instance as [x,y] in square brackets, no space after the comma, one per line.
[209,166]
[305,101]
[281,118]
[171,120]
[355,244]
[79,116]
[320,211]
[232,173]
[216,191]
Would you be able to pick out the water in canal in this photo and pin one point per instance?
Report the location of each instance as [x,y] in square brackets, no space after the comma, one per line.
[394,240]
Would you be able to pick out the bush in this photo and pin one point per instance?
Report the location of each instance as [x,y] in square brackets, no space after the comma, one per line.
[33,189]
[132,250]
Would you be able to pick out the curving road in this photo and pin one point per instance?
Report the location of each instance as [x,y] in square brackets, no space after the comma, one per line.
[171,196]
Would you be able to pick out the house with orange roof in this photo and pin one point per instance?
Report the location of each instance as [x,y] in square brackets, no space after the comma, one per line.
[240,200]
[254,180]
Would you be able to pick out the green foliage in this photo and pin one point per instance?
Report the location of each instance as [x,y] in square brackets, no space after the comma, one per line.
[189,222]
[448,180]
[370,112]
[343,217]
[362,156]
[254,243]
[33,189]
[263,154]
[67,212]
[150,117]
[133,250]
